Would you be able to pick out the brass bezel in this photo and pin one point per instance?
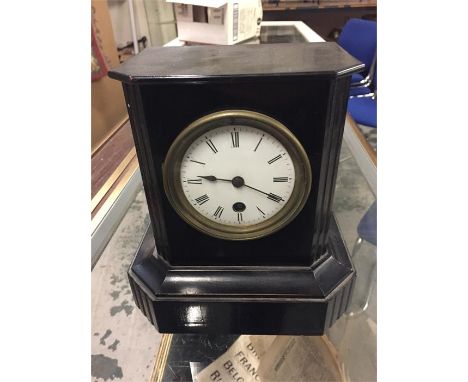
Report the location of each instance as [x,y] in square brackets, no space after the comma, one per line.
[175,194]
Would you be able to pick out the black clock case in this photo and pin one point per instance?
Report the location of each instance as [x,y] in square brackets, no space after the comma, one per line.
[191,282]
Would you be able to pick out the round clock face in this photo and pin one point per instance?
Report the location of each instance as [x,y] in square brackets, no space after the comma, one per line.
[237,175]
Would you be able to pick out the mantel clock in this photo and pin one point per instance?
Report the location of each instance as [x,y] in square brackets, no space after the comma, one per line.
[238,149]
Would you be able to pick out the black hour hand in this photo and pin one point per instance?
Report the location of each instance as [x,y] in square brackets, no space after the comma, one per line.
[211,178]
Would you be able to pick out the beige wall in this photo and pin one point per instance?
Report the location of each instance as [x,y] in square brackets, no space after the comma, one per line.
[107,101]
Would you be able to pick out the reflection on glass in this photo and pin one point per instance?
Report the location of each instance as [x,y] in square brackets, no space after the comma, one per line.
[280,34]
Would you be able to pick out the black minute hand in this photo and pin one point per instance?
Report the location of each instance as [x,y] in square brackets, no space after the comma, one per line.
[266,193]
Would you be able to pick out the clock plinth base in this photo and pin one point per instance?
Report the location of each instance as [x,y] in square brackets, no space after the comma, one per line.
[243,300]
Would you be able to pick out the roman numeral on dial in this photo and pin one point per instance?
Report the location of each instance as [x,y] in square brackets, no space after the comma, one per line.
[217,214]
[195,161]
[239,217]
[280,179]
[202,199]
[275,198]
[211,145]
[274,159]
[235,138]
[194,181]
[259,210]
[258,144]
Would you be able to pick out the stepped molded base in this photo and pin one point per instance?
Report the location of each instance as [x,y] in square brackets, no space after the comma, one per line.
[243,300]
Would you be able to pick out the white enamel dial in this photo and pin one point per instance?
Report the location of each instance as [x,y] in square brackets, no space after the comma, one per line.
[237,175]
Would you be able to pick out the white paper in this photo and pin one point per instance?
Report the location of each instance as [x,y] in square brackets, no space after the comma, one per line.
[239,363]
[275,359]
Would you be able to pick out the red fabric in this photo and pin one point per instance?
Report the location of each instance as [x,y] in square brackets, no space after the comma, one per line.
[98,64]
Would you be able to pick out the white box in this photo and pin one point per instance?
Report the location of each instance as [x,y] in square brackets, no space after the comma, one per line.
[222,22]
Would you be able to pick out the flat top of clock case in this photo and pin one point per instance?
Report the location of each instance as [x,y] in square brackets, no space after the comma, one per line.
[195,62]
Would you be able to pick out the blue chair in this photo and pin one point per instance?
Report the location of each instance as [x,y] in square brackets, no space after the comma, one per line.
[367,227]
[363,108]
[357,91]
[367,232]
[359,38]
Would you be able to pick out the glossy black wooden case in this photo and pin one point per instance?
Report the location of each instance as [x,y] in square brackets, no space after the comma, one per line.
[305,87]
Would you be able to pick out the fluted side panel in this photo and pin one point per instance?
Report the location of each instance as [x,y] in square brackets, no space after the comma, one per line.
[142,301]
[339,303]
